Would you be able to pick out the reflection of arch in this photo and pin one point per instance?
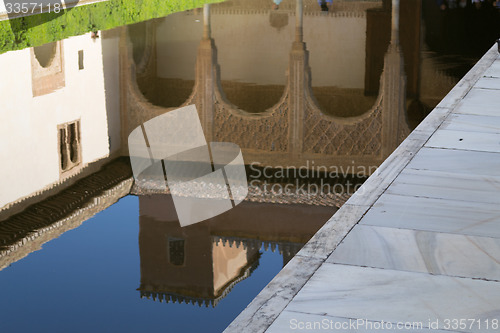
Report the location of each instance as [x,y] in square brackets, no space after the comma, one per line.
[167,92]
[47,68]
[256,83]
[45,54]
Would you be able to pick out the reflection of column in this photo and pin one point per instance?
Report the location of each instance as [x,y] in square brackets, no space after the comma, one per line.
[206,22]
[393,85]
[206,75]
[298,21]
[298,75]
[395,22]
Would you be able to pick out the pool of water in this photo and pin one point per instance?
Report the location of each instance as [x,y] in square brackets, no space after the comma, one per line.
[314,94]
[87,280]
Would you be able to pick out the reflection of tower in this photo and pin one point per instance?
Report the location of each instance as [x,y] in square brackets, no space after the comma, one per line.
[186,264]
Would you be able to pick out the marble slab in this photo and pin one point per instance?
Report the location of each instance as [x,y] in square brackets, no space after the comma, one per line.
[457,161]
[469,218]
[273,299]
[290,321]
[489,82]
[493,70]
[322,244]
[465,140]
[395,296]
[472,123]
[480,101]
[420,251]
[451,186]
[378,182]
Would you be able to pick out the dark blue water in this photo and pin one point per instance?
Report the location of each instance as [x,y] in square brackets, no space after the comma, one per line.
[86,281]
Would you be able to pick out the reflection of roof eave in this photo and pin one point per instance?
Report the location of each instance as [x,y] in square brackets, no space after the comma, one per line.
[168,297]
[286,248]
[258,194]
[44,221]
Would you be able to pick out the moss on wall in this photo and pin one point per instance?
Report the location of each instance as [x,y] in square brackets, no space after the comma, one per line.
[40,29]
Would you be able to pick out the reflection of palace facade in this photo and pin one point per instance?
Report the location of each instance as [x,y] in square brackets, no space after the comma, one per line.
[199,264]
[72,104]
[294,130]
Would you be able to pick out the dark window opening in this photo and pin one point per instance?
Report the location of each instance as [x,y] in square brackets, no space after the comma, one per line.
[176,251]
[80,60]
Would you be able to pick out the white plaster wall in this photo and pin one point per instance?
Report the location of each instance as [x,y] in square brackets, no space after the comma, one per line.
[110,60]
[250,50]
[28,130]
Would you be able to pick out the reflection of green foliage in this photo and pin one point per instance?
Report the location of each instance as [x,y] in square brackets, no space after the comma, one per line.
[37,30]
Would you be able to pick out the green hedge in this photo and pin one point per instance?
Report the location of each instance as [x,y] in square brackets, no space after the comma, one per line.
[40,29]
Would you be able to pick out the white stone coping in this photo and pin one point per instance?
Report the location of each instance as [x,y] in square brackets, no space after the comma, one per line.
[272,300]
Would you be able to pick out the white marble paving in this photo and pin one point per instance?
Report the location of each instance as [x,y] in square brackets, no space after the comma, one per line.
[451,186]
[427,244]
[396,296]
[480,101]
[457,161]
[489,82]
[273,299]
[469,218]
[290,321]
[472,123]
[420,251]
[465,140]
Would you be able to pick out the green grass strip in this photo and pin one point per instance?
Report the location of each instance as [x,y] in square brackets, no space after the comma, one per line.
[40,29]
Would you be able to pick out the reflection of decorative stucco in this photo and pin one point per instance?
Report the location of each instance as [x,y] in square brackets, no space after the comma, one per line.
[46,80]
[358,138]
[242,128]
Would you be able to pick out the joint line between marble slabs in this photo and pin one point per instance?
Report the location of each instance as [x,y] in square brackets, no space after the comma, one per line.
[459,149]
[432,231]
[419,272]
[413,272]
